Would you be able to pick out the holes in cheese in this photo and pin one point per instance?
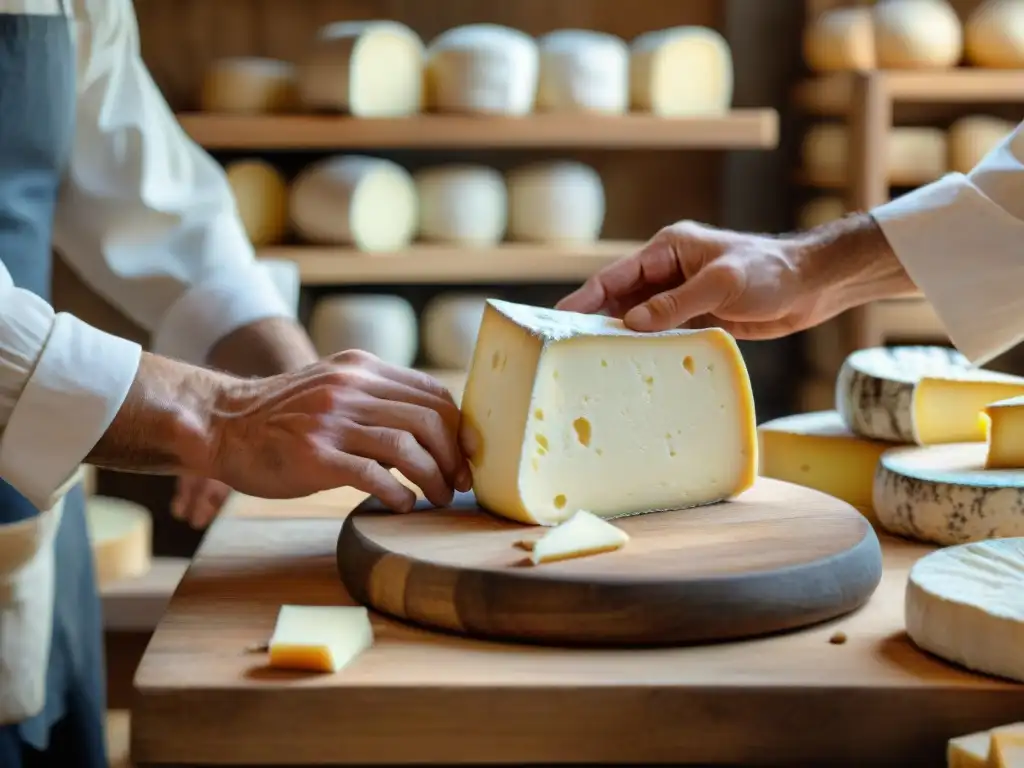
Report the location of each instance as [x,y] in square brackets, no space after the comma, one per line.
[581,535]
[1005,427]
[322,638]
[994,35]
[583,71]
[450,325]
[121,537]
[973,137]
[681,71]
[917,34]
[914,154]
[261,196]
[367,202]
[555,201]
[462,203]
[364,68]
[284,274]
[248,85]
[840,40]
[657,436]
[820,210]
[383,325]
[482,68]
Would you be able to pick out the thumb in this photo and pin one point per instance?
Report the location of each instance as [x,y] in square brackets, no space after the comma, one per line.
[703,294]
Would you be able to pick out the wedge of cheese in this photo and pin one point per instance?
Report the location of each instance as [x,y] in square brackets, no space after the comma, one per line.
[564,411]
[1004,423]
[975,749]
[320,638]
[581,535]
[1006,748]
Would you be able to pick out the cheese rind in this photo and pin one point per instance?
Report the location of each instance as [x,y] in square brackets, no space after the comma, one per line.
[450,324]
[994,35]
[583,71]
[564,411]
[557,201]
[1005,426]
[462,203]
[248,85]
[681,71]
[917,34]
[121,537]
[582,535]
[840,40]
[322,638]
[261,197]
[963,605]
[381,324]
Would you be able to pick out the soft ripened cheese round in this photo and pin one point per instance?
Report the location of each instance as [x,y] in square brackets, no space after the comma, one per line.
[583,71]
[921,395]
[121,537]
[284,274]
[994,35]
[462,203]
[482,68]
[261,196]
[821,210]
[364,68]
[248,85]
[681,71]
[383,325]
[964,605]
[974,136]
[555,201]
[367,202]
[840,40]
[917,34]
[450,324]
[915,155]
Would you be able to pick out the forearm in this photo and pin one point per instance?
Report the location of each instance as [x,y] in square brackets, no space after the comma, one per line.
[264,348]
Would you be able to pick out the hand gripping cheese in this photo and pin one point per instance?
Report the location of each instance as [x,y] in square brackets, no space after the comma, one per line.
[462,203]
[840,40]
[681,71]
[482,68]
[922,395]
[450,325]
[913,154]
[121,536]
[821,210]
[917,34]
[383,325]
[943,494]
[261,196]
[319,638]
[367,202]
[994,35]
[583,71]
[964,605]
[364,68]
[248,85]
[582,535]
[557,201]
[1004,422]
[973,137]
[563,412]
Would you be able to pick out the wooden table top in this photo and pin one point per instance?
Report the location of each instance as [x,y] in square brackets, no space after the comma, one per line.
[204,698]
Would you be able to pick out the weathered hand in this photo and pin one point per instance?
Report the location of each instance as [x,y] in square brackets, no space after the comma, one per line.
[198,500]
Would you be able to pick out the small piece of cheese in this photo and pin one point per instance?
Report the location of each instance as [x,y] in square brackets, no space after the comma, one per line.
[450,325]
[581,535]
[583,71]
[261,196]
[383,325]
[462,203]
[322,638]
[917,34]
[564,411]
[994,35]
[681,71]
[248,85]
[974,136]
[558,201]
[121,537]
[1004,421]
[840,40]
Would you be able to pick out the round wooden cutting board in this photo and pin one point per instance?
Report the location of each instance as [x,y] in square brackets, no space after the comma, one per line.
[777,557]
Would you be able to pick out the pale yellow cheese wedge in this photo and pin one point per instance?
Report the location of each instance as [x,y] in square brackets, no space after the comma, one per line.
[1006,749]
[1004,423]
[970,751]
[323,638]
[946,410]
[581,535]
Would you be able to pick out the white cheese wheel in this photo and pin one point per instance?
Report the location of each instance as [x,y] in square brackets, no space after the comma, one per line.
[821,210]
[367,202]
[583,71]
[121,537]
[973,137]
[994,35]
[840,40]
[364,68]
[555,201]
[383,325]
[284,274]
[462,203]
[248,85]
[482,68]
[261,196]
[450,325]
[681,71]
[917,34]
[915,155]
[964,605]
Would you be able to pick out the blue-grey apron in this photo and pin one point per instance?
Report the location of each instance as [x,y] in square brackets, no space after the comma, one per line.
[37,107]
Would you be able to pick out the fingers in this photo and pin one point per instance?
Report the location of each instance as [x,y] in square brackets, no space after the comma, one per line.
[399,449]
[704,294]
[198,500]
[370,477]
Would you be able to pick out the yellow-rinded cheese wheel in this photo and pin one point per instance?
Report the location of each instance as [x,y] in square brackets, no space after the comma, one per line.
[973,137]
[383,325]
[248,85]
[840,40]
[994,35]
[450,324]
[261,196]
[462,203]
[681,71]
[583,71]
[121,536]
[915,155]
[821,210]
[555,201]
[917,34]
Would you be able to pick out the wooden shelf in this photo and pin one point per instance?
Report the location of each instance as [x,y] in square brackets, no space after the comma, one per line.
[804,179]
[740,129]
[420,264]
[831,95]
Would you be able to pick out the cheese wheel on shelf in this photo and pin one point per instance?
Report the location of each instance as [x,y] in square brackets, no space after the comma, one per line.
[383,325]
[482,68]
[463,203]
[364,68]
[923,395]
[915,155]
[917,34]
[583,71]
[557,201]
[248,85]
[367,202]
[261,196]
[450,325]
[994,35]
[821,210]
[121,537]
[963,605]
[974,136]
[284,274]
[840,40]
[681,71]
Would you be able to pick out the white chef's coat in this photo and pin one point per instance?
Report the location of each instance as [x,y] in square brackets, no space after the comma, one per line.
[147,219]
[961,240]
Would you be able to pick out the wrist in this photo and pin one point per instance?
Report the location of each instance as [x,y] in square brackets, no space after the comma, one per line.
[264,348]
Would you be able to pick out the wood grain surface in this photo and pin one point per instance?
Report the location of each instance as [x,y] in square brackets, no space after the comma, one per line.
[776,558]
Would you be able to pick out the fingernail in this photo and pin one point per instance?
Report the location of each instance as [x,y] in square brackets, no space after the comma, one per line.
[464,480]
[638,317]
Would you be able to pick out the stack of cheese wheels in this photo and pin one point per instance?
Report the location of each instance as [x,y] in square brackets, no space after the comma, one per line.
[366,202]
[121,535]
[450,324]
[974,136]
[383,325]
[261,196]
[681,71]
[248,86]
[555,202]
[463,204]
[914,155]
[994,36]
[583,71]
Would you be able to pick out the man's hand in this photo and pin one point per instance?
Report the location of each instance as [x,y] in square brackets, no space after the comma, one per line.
[198,500]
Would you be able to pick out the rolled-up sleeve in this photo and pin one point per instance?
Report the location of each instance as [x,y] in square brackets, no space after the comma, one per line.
[961,240]
[61,384]
[146,217]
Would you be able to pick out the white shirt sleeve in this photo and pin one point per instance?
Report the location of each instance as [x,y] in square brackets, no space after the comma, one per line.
[146,217]
[961,240]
